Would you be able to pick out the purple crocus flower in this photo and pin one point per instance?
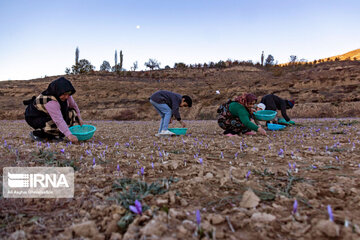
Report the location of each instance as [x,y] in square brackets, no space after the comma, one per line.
[331,217]
[93,161]
[248,174]
[295,206]
[337,159]
[142,171]
[222,155]
[201,161]
[290,166]
[152,165]
[294,166]
[118,168]
[198,217]
[137,209]
[62,150]
[281,152]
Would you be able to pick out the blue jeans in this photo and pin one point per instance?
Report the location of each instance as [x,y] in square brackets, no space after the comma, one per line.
[165,112]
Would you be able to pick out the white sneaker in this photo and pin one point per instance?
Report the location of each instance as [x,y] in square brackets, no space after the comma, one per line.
[166,133]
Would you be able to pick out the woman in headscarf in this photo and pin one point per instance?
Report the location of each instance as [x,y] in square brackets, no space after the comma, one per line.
[234,116]
[53,112]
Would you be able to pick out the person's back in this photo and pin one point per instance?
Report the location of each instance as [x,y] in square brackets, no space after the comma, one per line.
[273,102]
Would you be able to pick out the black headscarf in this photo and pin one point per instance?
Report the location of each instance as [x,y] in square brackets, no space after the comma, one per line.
[57,88]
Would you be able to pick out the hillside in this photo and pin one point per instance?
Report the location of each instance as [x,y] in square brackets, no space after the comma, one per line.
[329,89]
[352,55]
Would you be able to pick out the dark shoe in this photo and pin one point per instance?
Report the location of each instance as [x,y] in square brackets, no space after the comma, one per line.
[36,138]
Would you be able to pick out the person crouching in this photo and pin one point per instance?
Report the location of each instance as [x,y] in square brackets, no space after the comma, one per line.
[53,111]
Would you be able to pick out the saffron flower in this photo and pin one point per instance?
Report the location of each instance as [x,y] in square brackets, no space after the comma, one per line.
[201,161]
[295,206]
[198,217]
[118,168]
[331,217]
[248,174]
[142,171]
[137,209]
[93,161]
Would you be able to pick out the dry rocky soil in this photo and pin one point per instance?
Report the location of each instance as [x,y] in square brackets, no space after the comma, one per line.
[243,186]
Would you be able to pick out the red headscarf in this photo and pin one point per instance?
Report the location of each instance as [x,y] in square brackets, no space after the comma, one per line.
[245,99]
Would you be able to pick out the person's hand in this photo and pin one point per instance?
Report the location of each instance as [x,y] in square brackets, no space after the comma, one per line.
[262,131]
[183,124]
[291,122]
[73,138]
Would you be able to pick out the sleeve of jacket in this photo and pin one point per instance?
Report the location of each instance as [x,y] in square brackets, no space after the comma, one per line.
[175,112]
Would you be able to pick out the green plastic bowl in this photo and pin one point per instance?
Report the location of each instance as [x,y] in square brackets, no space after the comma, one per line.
[178,131]
[275,127]
[84,132]
[265,115]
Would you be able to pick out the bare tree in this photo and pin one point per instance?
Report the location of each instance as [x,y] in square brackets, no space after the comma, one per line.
[152,63]
[134,66]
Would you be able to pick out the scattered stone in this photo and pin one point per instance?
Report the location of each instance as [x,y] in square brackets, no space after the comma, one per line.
[155,228]
[116,236]
[249,199]
[327,228]
[87,229]
[216,219]
[161,201]
[262,217]
[18,235]
[209,175]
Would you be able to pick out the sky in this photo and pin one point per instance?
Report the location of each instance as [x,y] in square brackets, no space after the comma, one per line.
[38,38]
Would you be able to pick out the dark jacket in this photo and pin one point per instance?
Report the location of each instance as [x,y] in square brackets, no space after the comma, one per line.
[56,88]
[173,100]
[273,102]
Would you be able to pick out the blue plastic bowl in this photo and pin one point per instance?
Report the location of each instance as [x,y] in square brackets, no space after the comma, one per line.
[265,115]
[178,131]
[275,127]
[84,132]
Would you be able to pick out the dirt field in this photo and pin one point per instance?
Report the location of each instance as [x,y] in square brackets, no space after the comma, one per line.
[243,187]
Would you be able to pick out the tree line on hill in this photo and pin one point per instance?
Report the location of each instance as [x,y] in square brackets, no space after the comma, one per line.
[84,66]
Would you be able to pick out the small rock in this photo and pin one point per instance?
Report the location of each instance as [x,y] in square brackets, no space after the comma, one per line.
[189,225]
[111,227]
[161,201]
[216,219]
[328,228]
[183,202]
[18,235]
[209,175]
[172,197]
[154,228]
[87,229]
[262,217]
[249,199]
[116,236]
